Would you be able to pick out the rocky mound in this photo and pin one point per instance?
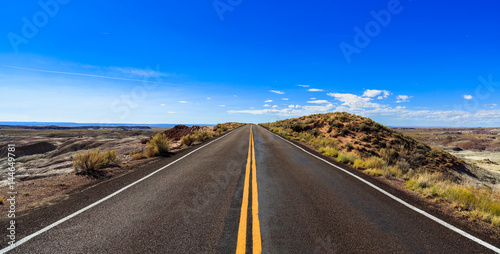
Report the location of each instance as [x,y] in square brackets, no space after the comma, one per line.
[179,131]
[364,137]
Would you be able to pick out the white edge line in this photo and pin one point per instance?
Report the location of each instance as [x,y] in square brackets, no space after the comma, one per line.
[29,237]
[443,223]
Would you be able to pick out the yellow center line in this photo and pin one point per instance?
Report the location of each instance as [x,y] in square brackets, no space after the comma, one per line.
[242,231]
[257,245]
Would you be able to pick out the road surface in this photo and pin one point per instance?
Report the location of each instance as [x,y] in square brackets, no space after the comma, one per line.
[246,191]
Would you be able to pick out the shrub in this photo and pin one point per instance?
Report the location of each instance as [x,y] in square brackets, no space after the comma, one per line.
[388,171]
[373,172]
[329,151]
[403,166]
[158,145]
[347,158]
[137,156]
[336,124]
[188,140]
[372,162]
[364,138]
[220,128]
[359,163]
[348,146]
[92,160]
[389,155]
[203,135]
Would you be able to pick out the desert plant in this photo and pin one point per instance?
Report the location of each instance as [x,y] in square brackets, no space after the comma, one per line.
[373,172]
[346,158]
[188,139]
[158,145]
[403,165]
[372,162]
[348,146]
[328,151]
[92,160]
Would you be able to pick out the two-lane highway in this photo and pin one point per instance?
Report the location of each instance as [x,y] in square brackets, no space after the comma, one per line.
[246,192]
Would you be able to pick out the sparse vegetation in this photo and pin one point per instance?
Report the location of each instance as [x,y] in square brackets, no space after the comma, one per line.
[346,158]
[92,160]
[381,151]
[158,145]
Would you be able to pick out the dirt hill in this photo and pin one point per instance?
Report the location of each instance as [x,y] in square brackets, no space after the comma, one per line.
[348,133]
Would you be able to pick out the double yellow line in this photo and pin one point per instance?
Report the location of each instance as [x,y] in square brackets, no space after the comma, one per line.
[242,232]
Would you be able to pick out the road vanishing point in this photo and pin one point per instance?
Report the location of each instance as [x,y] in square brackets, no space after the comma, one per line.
[248,191]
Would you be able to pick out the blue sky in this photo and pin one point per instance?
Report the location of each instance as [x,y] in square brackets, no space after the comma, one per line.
[402,63]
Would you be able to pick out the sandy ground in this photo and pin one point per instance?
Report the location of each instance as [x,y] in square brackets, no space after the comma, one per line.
[44,160]
[40,155]
[483,159]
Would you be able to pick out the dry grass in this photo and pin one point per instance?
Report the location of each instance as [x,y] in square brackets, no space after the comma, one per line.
[483,204]
[92,160]
[346,158]
[372,162]
[380,151]
[158,145]
[373,172]
[329,151]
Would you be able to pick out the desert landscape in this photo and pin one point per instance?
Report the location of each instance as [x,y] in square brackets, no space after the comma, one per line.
[457,168]
[45,167]
[478,146]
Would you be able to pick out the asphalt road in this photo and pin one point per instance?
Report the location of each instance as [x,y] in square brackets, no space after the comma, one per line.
[196,205]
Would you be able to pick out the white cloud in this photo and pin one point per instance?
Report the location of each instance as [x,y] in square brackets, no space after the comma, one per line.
[374,93]
[170,112]
[289,111]
[285,99]
[318,102]
[313,98]
[276,91]
[209,98]
[467,96]
[267,105]
[162,105]
[353,101]
[303,85]
[403,98]
[183,102]
[267,101]
[222,106]
[315,90]
[365,106]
